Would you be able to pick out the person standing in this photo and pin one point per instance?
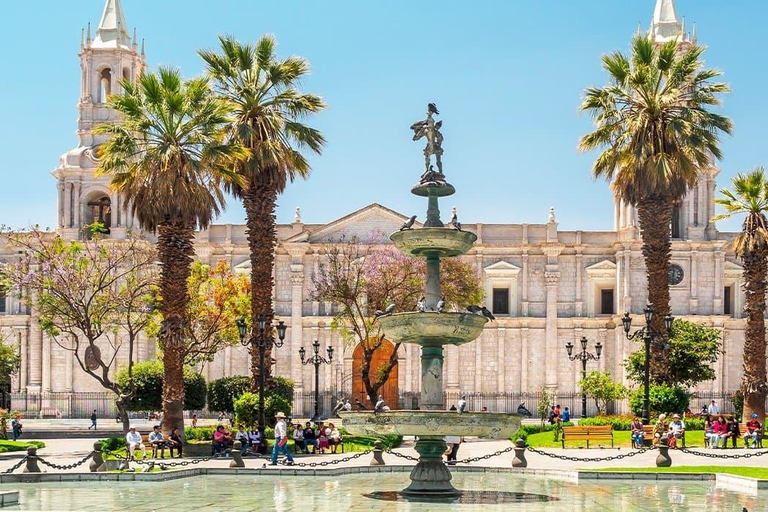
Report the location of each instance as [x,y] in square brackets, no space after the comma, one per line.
[453,443]
[194,420]
[16,426]
[713,409]
[93,420]
[281,440]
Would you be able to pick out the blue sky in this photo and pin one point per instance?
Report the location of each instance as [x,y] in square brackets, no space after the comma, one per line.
[507,77]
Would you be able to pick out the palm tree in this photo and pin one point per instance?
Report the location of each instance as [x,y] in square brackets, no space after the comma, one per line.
[268,108]
[169,161]
[653,123]
[750,197]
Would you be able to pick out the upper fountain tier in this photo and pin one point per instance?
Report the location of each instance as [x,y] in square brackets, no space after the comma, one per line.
[440,242]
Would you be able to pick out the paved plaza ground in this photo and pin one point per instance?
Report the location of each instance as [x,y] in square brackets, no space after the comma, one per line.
[66,451]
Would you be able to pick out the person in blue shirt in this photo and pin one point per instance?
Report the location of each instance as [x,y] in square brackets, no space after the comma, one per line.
[566,415]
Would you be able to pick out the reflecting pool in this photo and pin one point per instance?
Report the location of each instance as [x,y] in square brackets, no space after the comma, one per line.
[348,492]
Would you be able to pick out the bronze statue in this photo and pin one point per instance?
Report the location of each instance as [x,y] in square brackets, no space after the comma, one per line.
[431,130]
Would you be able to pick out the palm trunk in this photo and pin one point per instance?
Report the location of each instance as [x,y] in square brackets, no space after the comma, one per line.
[753,382]
[655,216]
[175,252]
[260,200]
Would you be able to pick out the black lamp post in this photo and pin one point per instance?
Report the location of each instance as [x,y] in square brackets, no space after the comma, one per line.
[584,356]
[316,360]
[649,336]
[262,343]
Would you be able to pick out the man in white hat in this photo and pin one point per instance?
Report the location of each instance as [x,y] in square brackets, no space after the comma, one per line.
[281,439]
[133,441]
[676,430]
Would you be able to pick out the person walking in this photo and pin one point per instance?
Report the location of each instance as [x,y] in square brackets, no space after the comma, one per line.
[16,426]
[452,443]
[281,440]
[93,420]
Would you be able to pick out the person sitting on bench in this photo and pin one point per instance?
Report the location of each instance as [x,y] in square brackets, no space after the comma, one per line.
[157,440]
[174,442]
[752,431]
[133,441]
[221,440]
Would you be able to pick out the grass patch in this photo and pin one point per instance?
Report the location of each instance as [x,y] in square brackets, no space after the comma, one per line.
[761,473]
[18,446]
[621,439]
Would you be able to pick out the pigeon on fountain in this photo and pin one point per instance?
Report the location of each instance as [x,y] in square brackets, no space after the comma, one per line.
[441,304]
[487,313]
[381,406]
[390,309]
[462,404]
[455,220]
[359,405]
[408,224]
[421,304]
[378,313]
[123,465]
[477,310]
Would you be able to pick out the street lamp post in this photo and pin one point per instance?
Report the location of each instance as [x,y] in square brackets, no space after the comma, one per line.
[584,356]
[649,336]
[261,343]
[316,359]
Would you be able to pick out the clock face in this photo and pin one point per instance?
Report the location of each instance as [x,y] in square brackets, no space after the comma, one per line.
[676,274]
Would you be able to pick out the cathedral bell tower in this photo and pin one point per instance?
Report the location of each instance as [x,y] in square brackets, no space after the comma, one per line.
[83,199]
[691,219]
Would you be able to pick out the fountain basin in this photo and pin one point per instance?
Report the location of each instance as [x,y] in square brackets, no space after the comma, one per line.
[432,328]
[437,241]
[430,423]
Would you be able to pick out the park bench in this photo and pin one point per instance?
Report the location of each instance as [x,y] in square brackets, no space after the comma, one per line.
[152,449]
[649,440]
[589,433]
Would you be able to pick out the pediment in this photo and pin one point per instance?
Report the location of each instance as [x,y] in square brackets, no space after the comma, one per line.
[732,269]
[601,268]
[502,269]
[372,222]
[243,268]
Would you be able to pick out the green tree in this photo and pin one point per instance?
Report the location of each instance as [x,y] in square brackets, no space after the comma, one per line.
[168,159]
[693,349]
[750,198]
[10,360]
[655,125]
[600,387]
[662,398]
[247,408]
[148,380]
[363,277]
[268,105]
[223,392]
[94,298]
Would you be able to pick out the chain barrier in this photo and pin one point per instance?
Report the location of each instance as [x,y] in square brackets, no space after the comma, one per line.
[590,459]
[16,466]
[65,467]
[485,457]
[401,455]
[724,456]
[161,461]
[331,462]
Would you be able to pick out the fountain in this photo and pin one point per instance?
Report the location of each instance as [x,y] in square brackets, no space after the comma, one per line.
[432,328]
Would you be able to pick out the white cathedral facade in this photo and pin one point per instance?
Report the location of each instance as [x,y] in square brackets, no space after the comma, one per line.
[546,286]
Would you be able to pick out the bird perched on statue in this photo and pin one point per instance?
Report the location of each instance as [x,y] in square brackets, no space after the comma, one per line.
[408,224]
[487,313]
[378,313]
[359,405]
[432,108]
[381,406]
[339,407]
[455,220]
[421,304]
[477,310]
[441,304]
[390,309]
[462,404]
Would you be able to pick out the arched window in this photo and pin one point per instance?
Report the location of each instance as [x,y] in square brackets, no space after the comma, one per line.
[105,84]
[98,215]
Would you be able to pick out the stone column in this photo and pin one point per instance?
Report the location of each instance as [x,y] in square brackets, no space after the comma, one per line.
[478,364]
[694,280]
[452,373]
[46,363]
[524,359]
[627,268]
[60,188]
[552,278]
[24,351]
[717,302]
[501,378]
[35,351]
[76,204]
[432,378]
[579,306]
[524,284]
[297,252]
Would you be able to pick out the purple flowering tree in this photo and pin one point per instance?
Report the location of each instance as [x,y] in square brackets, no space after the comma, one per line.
[362,277]
[93,298]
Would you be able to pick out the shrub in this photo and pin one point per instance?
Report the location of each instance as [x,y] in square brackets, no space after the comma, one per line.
[112,444]
[282,387]
[223,392]
[388,442]
[19,446]
[199,433]
[148,378]
[738,403]
[663,399]
[616,422]
[525,430]
[247,408]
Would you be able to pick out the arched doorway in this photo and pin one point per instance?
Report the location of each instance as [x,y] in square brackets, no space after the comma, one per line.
[380,357]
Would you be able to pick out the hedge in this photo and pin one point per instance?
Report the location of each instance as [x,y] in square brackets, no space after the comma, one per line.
[148,377]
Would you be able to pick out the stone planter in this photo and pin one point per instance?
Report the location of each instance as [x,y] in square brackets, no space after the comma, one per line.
[201,449]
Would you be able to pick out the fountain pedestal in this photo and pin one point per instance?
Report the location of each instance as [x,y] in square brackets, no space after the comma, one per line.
[431,476]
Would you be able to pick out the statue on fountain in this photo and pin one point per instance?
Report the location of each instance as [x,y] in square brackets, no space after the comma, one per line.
[431,130]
